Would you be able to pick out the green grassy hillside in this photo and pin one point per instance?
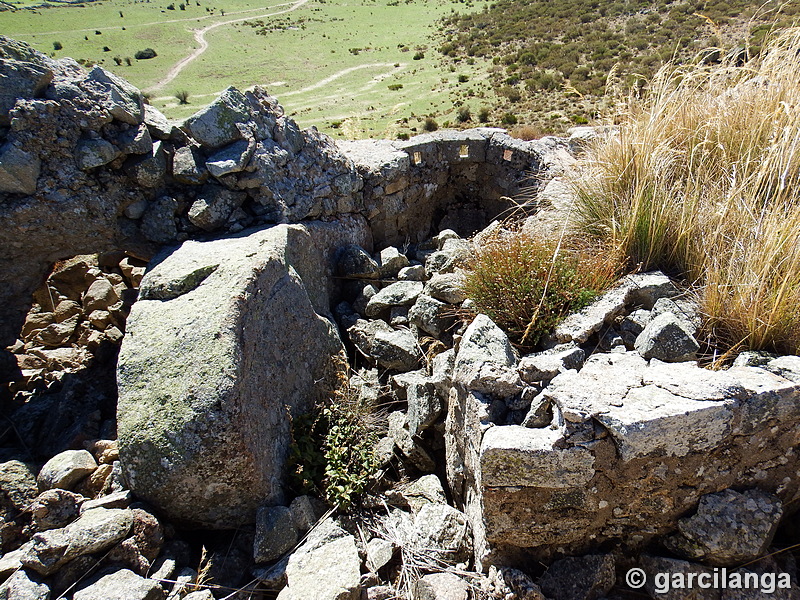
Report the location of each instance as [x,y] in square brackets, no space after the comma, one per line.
[551,60]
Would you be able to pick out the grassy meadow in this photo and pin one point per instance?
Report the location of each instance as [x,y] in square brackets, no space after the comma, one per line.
[357,68]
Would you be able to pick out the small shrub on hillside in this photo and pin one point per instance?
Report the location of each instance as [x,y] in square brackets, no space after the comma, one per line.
[182,96]
[483,114]
[395,86]
[402,136]
[461,78]
[419,56]
[145,54]
[430,124]
[464,114]
[509,119]
[528,285]
[57,46]
[526,132]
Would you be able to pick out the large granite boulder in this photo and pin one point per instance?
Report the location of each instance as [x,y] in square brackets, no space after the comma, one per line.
[225,343]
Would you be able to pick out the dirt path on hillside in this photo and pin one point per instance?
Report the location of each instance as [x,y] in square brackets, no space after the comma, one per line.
[334,77]
[120,27]
[200,38]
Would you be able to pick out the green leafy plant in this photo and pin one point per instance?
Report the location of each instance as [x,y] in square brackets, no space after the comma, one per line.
[332,447]
[527,285]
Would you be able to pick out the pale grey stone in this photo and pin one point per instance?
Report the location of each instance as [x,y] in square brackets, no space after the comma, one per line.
[431,316]
[326,567]
[216,125]
[205,376]
[230,159]
[544,366]
[121,585]
[447,287]
[412,273]
[214,206]
[651,420]
[21,79]
[787,367]
[118,499]
[158,220]
[121,99]
[482,342]
[396,349]
[443,532]
[425,490]
[401,293]
[391,262]
[90,154]
[149,170]
[66,469]
[55,508]
[21,586]
[156,122]
[412,449]
[306,511]
[96,530]
[188,166]
[136,209]
[518,456]
[667,338]
[440,586]
[729,528]
[136,140]
[496,380]
[379,553]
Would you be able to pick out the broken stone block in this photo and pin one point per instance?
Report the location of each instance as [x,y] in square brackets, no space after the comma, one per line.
[188,166]
[19,170]
[353,261]
[444,532]
[667,338]
[482,342]
[440,586]
[447,287]
[230,159]
[729,528]
[391,262]
[90,154]
[22,586]
[396,349]
[401,293]
[544,366]
[216,125]
[121,585]
[431,316]
[214,206]
[275,533]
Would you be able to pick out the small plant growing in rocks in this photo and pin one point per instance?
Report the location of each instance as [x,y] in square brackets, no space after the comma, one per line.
[332,448]
[430,124]
[528,285]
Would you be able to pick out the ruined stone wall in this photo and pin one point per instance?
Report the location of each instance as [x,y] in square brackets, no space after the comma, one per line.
[86,166]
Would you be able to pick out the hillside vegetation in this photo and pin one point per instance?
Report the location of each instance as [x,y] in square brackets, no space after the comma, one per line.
[703,181]
[552,62]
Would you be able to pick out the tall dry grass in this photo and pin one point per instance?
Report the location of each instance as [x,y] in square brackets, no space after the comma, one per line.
[703,181]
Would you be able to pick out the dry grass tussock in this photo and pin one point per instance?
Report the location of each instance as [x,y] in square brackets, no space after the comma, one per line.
[702,181]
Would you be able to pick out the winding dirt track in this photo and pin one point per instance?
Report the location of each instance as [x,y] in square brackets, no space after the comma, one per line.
[200,38]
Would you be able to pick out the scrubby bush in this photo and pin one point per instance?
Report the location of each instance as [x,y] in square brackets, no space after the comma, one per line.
[395,86]
[182,96]
[483,114]
[509,119]
[57,46]
[145,54]
[430,124]
[464,114]
[527,285]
